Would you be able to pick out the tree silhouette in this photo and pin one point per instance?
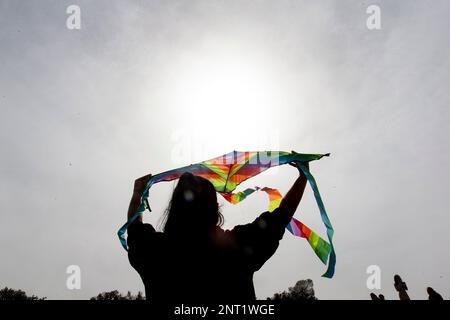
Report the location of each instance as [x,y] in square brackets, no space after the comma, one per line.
[303,290]
[116,295]
[12,294]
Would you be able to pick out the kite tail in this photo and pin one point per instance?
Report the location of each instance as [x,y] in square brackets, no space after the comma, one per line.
[326,221]
[237,197]
[320,247]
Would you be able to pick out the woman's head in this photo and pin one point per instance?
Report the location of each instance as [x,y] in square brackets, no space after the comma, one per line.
[193,207]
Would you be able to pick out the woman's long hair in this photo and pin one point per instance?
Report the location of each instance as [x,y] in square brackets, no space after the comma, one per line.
[193,210]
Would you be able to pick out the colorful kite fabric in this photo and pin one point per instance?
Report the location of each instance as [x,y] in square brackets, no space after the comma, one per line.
[228,171]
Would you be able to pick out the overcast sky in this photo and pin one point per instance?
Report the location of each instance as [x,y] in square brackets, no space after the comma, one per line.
[147,86]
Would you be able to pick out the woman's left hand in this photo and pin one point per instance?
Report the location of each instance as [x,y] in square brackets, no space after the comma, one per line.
[296,165]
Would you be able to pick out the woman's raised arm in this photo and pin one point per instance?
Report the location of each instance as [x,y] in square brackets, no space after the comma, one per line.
[139,186]
[291,200]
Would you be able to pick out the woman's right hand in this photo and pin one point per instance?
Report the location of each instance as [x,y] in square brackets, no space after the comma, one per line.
[139,185]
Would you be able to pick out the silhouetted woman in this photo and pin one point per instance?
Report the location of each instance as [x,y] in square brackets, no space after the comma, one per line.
[194,259]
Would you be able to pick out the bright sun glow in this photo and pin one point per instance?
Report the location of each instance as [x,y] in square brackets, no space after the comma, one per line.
[230,103]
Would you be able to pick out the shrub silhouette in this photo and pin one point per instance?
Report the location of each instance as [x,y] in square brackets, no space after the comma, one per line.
[12,294]
[116,295]
[303,290]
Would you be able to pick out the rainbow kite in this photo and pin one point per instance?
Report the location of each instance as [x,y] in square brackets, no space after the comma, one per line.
[228,171]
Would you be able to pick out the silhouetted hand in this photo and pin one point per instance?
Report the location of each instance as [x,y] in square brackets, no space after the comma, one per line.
[433,295]
[380,297]
[401,287]
[374,297]
[139,186]
[140,183]
[295,164]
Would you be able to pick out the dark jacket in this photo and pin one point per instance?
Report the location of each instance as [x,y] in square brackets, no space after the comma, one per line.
[219,268]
